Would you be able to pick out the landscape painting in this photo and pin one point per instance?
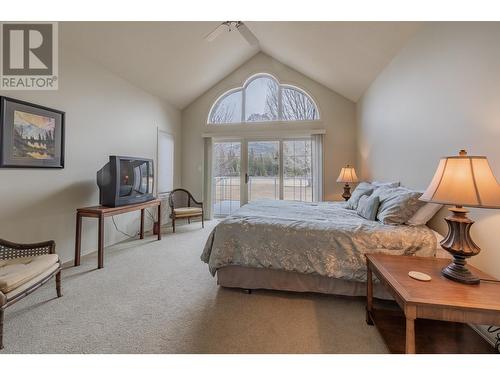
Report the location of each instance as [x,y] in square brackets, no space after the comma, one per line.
[32,136]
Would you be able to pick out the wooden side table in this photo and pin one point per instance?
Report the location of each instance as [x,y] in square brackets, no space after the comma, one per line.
[439,299]
[100,212]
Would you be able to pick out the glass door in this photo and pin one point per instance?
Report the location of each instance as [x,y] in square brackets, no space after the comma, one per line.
[248,170]
[226,177]
[297,170]
[263,174]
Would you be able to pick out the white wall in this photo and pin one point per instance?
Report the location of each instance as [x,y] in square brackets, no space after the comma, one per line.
[441,93]
[105,115]
[337,117]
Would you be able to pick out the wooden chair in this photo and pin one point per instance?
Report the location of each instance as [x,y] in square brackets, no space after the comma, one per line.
[23,269]
[184,206]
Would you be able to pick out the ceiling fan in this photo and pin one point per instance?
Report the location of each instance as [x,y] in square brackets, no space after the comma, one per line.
[231,26]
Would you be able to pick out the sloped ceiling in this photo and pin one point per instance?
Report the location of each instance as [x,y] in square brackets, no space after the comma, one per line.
[173,61]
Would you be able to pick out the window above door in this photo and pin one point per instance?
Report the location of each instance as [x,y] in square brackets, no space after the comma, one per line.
[263,99]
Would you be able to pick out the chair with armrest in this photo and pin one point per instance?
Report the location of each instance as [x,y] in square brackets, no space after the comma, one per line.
[184,206]
[23,269]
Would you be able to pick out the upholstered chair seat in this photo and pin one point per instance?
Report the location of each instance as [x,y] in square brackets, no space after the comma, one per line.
[187,211]
[19,271]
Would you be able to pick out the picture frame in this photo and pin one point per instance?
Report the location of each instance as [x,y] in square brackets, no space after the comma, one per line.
[31,135]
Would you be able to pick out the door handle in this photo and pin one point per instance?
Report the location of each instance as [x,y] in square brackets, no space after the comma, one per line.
[246,178]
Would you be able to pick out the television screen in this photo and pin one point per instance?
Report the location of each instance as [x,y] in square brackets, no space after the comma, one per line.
[135,178]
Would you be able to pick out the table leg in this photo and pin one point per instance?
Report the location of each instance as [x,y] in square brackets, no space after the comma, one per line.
[159,222]
[369,294]
[100,244]
[410,336]
[78,239]
[142,225]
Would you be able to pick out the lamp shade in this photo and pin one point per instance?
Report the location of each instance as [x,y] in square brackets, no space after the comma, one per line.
[347,174]
[464,181]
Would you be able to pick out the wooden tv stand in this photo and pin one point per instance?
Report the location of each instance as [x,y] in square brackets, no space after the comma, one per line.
[100,212]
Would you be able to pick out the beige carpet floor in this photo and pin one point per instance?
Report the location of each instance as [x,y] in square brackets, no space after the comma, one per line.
[158,297]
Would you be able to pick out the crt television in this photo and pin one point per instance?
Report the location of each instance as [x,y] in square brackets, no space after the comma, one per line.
[125,180]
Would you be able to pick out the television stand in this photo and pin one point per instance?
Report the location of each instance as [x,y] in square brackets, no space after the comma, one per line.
[100,212]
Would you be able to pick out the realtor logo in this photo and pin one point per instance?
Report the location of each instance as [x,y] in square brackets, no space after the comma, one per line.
[29,59]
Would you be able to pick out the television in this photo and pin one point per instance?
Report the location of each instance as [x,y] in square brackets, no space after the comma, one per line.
[125,180]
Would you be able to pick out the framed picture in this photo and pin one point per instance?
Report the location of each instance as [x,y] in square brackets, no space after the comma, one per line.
[31,136]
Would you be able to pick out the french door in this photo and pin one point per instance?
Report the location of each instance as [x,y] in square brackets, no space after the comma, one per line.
[253,169]
[263,177]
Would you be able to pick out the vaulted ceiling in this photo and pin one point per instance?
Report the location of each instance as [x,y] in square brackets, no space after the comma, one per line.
[173,60]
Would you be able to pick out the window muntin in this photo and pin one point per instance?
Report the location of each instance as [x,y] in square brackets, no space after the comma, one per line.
[263,99]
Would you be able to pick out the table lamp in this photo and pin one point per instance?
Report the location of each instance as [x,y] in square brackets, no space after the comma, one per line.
[347,175]
[462,180]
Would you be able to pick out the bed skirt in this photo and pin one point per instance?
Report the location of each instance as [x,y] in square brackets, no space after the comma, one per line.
[264,278]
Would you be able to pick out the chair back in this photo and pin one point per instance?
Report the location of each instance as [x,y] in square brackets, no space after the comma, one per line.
[179,198]
[12,250]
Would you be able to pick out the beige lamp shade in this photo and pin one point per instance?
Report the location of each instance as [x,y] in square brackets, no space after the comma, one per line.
[464,181]
[347,174]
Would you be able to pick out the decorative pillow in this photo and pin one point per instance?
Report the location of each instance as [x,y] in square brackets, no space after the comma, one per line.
[397,205]
[363,188]
[368,206]
[424,214]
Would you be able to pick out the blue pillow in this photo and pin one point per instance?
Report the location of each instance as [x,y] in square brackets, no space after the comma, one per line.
[364,188]
[368,207]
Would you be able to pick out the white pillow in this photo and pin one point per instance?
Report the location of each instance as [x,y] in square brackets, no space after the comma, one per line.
[424,214]
[378,184]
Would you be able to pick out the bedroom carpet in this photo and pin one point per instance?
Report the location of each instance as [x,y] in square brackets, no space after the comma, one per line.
[158,297]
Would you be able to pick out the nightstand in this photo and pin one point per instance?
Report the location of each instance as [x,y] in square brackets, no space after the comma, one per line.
[433,304]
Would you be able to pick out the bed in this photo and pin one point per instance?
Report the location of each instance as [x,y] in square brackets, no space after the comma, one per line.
[306,247]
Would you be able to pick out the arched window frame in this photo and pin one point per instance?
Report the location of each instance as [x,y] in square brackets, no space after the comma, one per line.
[280,101]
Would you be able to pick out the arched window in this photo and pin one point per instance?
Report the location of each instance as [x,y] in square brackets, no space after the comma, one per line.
[262,98]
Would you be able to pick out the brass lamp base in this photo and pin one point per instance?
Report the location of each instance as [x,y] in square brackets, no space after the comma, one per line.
[459,244]
[347,192]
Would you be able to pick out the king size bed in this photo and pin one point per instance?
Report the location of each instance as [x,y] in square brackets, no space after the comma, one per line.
[306,247]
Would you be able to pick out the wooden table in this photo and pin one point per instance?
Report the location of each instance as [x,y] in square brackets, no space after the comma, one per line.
[100,212]
[439,299]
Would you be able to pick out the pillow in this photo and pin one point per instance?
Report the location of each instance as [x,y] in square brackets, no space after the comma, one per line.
[368,206]
[363,188]
[397,205]
[424,214]
[378,184]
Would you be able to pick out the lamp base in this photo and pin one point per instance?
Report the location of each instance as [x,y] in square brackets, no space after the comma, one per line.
[458,271]
[459,244]
[347,192]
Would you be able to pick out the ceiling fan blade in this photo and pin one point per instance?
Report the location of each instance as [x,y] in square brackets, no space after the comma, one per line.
[247,34]
[216,32]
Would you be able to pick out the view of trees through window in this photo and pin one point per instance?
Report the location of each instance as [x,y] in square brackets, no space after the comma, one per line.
[265,100]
